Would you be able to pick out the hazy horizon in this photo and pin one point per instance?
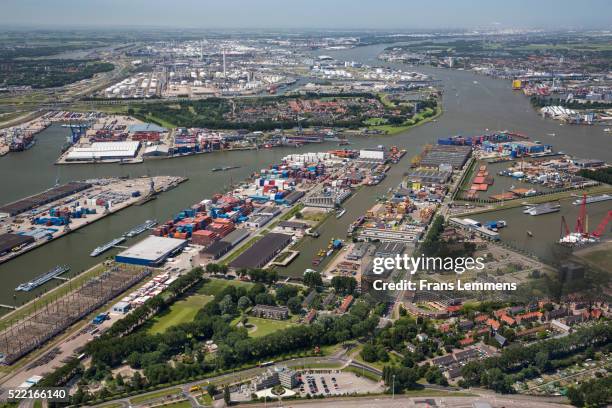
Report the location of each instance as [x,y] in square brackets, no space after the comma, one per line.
[315,14]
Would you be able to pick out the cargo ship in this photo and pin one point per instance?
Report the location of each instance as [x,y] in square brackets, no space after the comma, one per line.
[103,248]
[139,229]
[594,199]
[225,168]
[542,209]
[354,225]
[42,279]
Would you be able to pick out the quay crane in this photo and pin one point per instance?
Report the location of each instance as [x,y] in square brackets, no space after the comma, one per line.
[581,233]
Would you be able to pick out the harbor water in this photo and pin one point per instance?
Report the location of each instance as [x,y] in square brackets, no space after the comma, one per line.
[469,108]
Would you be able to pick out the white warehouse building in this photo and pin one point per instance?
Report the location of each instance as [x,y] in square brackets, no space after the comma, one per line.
[104,151]
[373,154]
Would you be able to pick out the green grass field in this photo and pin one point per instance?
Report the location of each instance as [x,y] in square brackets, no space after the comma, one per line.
[265,326]
[182,311]
[215,286]
[154,395]
[205,400]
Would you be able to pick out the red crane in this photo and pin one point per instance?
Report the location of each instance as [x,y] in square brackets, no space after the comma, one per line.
[581,220]
[602,225]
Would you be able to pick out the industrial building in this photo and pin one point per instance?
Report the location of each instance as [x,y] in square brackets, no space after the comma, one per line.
[43,198]
[262,252]
[216,250]
[122,307]
[373,155]
[389,249]
[237,236]
[293,197]
[10,241]
[429,176]
[104,151]
[292,226]
[456,156]
[152,251]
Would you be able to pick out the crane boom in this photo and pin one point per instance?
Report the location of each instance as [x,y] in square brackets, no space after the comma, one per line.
[602,225]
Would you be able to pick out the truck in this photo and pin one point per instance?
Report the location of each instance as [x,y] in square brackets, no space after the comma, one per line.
[99,319]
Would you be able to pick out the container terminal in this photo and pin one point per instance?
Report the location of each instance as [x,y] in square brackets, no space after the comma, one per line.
[33,221]
[318,181]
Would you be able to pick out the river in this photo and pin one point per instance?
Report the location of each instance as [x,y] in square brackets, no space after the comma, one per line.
[469,108]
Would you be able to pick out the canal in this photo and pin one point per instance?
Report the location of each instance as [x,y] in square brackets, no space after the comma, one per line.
[472,104]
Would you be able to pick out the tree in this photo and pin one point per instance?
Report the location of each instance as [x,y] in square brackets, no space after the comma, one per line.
[227,305]
[211,389]
[137,382]
[212,268]
[368,353]
[244,303]
[295,305]
[344,285]
[285,292]
[313,279]
[542,361]
[227,396]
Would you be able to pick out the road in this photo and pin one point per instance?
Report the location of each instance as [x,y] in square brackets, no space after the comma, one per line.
[400,401]
[238,376]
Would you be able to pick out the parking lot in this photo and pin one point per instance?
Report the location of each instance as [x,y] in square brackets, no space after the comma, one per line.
[336,383]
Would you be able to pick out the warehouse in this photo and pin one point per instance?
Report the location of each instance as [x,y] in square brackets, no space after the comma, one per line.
[235,237]
[293,197]
[258,221]
[43,198]
[104,151]
[262,252]
[216,250]
[428,176]
[455,156]
[293,226]
[378,155]
[389,249]
[152,251]
[10,241]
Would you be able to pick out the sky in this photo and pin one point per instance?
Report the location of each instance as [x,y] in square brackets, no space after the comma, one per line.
[301,14]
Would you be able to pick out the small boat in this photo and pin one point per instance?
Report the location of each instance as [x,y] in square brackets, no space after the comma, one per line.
[225,168]
[341,213]
[529,233]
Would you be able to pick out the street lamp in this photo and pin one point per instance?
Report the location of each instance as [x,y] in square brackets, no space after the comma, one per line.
[393,390]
